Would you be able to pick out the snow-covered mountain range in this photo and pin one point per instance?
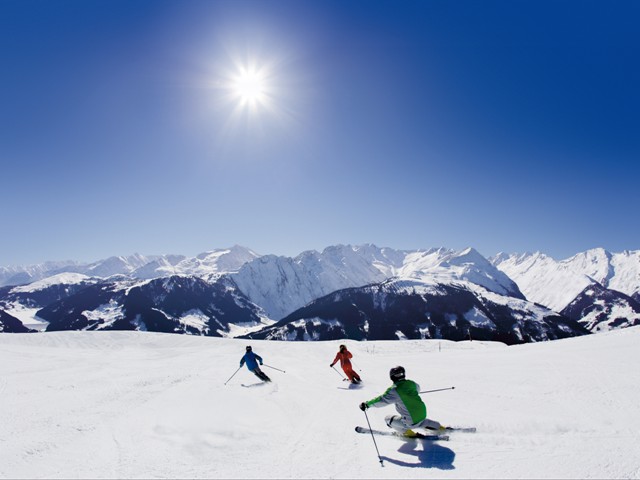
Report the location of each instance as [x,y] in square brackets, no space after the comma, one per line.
[598,288]
[434,293]
[207,265]
[402,309]
[556,283]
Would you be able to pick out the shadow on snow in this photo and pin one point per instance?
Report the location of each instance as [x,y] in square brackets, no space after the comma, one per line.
[351,386]
[427,455]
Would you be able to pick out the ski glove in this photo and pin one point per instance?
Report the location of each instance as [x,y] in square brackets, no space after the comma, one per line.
[363,406]
[331,365]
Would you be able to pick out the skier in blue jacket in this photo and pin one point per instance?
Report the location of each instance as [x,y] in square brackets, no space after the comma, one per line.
[252,359]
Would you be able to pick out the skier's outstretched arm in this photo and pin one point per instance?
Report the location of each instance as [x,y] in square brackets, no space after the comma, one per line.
[390,396]
[335,360]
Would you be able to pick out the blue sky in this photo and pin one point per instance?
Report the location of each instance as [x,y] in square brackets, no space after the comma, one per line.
[502,125]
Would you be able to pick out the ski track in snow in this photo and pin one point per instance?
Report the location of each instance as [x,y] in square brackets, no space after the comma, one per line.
[148,405]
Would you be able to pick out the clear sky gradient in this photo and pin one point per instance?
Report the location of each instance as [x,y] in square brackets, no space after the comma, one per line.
[502,125]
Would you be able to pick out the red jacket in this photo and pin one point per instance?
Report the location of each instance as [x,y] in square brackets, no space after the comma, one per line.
[344,357]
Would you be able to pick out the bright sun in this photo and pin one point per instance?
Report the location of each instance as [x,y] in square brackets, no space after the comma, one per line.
[249,87]
[252,90]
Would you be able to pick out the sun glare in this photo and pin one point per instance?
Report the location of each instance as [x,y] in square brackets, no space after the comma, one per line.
[254,91]
[249,86]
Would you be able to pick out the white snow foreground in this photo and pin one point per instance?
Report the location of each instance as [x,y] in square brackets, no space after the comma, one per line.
[150,405]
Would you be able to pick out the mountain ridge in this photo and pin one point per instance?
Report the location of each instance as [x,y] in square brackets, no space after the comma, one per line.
[272,287]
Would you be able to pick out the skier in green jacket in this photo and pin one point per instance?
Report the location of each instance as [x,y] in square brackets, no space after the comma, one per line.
[404,395]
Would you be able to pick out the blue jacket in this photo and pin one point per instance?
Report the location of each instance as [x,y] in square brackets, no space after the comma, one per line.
[250,358]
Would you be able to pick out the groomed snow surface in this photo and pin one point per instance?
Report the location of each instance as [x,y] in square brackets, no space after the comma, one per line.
[150,405]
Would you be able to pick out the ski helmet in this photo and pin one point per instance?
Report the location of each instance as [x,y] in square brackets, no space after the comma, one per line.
[343,347]
[248,348]
[396,373]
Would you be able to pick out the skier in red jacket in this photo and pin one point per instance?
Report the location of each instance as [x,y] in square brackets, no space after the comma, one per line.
[344,355]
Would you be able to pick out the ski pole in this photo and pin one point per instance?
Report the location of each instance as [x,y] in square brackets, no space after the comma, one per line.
[438,390]
[341,376]
[373,437]
[234,373]
[274,368]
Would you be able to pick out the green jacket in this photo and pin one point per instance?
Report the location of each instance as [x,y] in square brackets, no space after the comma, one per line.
[404,394]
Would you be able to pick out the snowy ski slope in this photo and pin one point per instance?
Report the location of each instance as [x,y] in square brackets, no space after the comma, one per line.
[148,405]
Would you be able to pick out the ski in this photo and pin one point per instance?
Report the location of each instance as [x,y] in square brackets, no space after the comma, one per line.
[460,429]
[393,433]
